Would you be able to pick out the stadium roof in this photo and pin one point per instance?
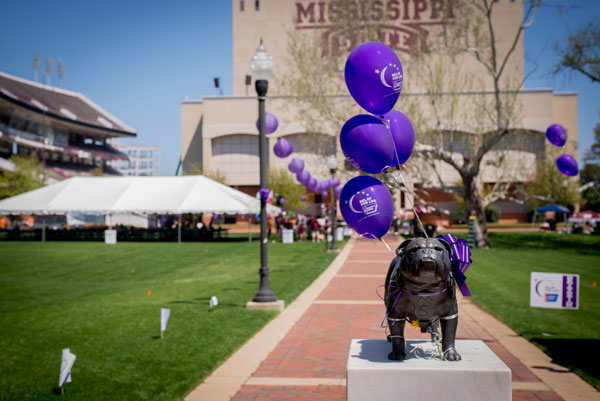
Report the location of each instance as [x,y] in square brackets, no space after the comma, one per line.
[61,104]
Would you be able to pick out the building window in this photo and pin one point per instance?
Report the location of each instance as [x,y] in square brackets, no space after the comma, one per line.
[241,5]
[256,5]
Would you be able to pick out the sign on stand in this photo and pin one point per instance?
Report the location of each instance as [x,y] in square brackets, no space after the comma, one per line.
[554,290]
[287,236]
[110,236]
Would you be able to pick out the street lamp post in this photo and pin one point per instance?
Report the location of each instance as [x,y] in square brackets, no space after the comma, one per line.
[261,68]
[332,164]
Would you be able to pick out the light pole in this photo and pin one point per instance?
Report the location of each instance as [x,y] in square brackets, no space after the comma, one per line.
[332,164]
[261,68]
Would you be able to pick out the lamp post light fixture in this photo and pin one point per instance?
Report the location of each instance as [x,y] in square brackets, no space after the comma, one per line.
[261,68]
[332,164]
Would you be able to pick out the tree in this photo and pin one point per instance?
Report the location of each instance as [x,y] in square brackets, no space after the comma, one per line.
[551,186]
[593,154]
[214,175]
[97,171]
[590,174]
[284,184]
[28,174]
[581,52]
[461,122]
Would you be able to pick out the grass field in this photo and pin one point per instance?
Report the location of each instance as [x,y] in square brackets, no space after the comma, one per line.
[500,278]
[103,302]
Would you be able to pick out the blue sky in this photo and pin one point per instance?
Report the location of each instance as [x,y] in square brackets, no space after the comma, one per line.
[139,60]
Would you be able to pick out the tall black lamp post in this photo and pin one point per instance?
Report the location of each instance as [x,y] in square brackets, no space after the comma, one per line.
[332,164]
[261,68]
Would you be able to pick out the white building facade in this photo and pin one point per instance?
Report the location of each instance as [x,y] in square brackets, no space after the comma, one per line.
[143,160]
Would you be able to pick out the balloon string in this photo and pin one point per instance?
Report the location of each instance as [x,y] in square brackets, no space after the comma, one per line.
[386,245]
[386,122]
[413,206]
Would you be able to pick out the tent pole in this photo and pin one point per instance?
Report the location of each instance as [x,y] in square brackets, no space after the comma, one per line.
[249,228]
[43,228]
[179,229]
[533,220]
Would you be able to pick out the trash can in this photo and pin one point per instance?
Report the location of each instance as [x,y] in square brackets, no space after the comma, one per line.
[339,234]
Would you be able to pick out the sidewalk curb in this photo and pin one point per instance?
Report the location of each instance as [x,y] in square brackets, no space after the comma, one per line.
[565,383]
[231,375]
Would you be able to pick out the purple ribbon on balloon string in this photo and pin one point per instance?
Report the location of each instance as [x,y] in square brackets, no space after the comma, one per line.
[460,259]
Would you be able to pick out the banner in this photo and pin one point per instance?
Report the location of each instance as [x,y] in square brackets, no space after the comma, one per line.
[554,290]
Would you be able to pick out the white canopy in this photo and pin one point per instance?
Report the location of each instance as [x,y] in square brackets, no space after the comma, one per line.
[163,195]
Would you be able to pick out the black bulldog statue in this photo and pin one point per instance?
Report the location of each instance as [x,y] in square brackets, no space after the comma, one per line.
[420,289]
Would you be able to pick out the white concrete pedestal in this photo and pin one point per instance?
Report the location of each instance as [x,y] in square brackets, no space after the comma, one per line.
[479,376]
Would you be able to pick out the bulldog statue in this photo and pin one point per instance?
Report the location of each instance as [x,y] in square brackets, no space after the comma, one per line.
[420,289]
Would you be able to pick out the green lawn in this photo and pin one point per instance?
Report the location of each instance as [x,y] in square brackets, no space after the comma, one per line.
[93,298]
[499,280]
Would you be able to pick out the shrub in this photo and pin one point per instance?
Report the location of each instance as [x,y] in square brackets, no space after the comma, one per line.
[492,213]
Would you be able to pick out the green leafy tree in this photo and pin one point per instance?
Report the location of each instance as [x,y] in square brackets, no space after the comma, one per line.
[214,175]
[590,174]
[29,173]
[551,186]
[97,171]
[581,52]
[283,184]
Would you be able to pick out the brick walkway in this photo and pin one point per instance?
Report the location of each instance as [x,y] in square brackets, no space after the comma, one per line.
[309,363]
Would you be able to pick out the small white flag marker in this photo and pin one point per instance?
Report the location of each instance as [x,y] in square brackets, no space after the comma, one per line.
[213,301]
[164,318]
[66,363]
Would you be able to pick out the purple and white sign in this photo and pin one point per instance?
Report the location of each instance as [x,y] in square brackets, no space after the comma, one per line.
[554,290]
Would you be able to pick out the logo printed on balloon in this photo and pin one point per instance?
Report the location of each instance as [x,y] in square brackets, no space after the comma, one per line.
[396,76]
[367,206]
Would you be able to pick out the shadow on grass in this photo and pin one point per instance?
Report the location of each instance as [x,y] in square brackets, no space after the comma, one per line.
[581,244]
[575,354]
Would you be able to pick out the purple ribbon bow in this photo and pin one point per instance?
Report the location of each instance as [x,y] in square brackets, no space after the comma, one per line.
[460,259]
[264,193]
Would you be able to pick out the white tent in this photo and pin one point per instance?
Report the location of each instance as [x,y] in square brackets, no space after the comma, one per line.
[104,195]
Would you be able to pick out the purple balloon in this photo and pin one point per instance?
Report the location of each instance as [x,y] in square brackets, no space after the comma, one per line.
[338,192]
[283,148]
[556,134]
[281,201]
[325,194]
[367,144]
[303,198]
[403,134]
[296,165]
[264,193]
[567,165]
[373,75]
[303,177]
[336,182]
[312,184]
[367,206]
[215,216]
[271,123]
